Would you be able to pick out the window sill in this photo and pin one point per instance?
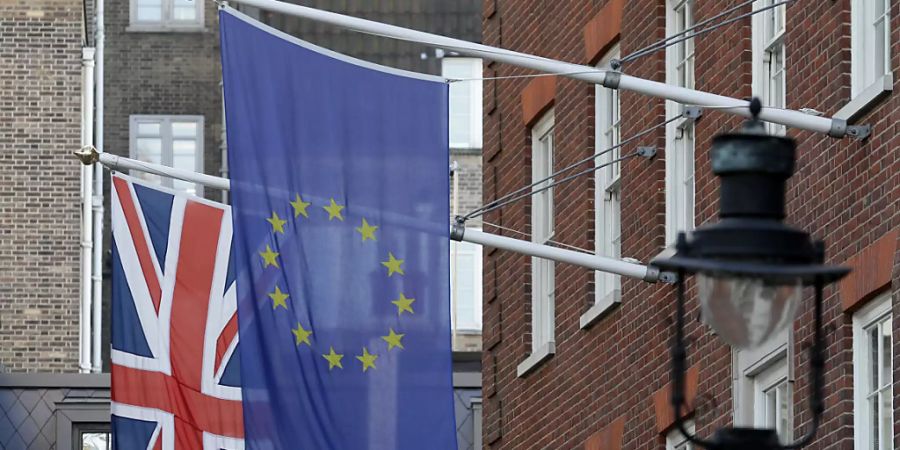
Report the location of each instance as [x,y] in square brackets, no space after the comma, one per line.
[535,359]
[865,100]
[155,28]
[600,309]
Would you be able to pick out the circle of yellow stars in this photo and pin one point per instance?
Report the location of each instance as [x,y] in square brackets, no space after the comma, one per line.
[279,298]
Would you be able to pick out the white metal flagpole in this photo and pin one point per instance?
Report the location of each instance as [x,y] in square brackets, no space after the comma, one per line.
[647,273]
[611,79]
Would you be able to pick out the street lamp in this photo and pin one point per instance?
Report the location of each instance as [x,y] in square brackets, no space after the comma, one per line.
[750,269]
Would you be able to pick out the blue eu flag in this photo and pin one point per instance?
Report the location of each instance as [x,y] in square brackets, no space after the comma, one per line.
[340,202]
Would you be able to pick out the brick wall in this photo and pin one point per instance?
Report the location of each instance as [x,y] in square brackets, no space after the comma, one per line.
[845,192]
[175,73]
[40,95]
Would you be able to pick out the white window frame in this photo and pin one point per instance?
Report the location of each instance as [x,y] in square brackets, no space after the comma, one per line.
[769,77]
[165,122]
[676,441]
[477,419]
[766,384]
[867,83]
[543,271]
[470,70]
[680,137]
[875,312]
[607,194]
[167,21]
[470,324]
[748,365]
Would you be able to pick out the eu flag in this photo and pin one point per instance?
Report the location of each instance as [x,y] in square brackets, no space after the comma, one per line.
[339,182]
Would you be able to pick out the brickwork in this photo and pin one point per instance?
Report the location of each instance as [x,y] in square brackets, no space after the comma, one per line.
[845,192]
[40,117]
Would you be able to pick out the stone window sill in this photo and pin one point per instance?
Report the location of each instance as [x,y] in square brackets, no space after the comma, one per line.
[600,308]
[865,100]
[535,359]
[161,28]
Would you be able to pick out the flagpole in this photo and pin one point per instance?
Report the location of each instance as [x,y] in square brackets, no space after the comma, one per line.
[611,79]
[89,155]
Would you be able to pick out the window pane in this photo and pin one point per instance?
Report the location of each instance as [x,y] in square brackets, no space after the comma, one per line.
[886,354]
[149,10]
[148,128]
[149,150]
[874,360]
[185,9]
[880,38]
[94,441]
[184,129]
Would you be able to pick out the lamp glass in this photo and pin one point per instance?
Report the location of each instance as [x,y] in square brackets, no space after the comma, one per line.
[746,312]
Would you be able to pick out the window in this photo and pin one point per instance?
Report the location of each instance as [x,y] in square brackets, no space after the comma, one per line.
[175,141]
[873,411]
[679,133]
[477,424]
[465,289]
[870,43]
[543,281]
[95,440]
[607,194]
[157,14]
[772,400]
[676,441]
[465,101]
[768,57]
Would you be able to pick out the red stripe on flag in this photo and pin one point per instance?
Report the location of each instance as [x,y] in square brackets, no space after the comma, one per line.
[159,438]
[137,237]
[193,285]
[225,340]
[196,410]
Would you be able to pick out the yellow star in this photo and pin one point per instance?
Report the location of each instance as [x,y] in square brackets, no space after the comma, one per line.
[300,206]
[393,265]
[393,339]
[334,210]
[367,231]
[277,223]
[367,359]
[302,334]
[404,304]
[269,257]
[278,298]
[334,359]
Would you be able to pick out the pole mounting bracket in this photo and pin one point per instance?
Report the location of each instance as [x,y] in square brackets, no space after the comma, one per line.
[859,132]
[646,151]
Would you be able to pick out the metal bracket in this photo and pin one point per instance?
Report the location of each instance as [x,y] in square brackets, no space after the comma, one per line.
[692,112]
[611,80]
[859,132]
[647,152]
[88,155]
[668,277]
[458,230]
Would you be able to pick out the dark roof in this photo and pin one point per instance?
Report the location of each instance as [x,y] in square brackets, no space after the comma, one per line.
[455,18]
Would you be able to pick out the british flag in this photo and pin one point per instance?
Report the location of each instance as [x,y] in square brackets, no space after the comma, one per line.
[175,360]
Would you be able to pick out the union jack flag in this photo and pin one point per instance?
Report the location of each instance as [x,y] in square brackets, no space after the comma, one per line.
[175,360]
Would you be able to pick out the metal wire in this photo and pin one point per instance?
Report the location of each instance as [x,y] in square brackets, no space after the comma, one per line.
[495,205]
[527,235]
[668,42]
[478,211]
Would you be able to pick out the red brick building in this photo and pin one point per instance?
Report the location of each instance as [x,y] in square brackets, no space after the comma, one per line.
[577,360]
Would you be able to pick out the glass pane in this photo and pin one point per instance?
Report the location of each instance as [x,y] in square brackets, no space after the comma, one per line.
[873,360]
[880,38]
[885,418]
[148,128]
[149,150]
[149,14]
[190,188]
[184,130]
[185,9]
[876,436]
[184,148]
[94,441]
[783,416]
[886,378]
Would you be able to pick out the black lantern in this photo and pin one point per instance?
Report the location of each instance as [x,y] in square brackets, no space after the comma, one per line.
[750,269]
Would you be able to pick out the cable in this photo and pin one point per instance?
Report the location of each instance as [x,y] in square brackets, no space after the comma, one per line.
[496,205]
[668,43]
[478,211]
[522,233]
